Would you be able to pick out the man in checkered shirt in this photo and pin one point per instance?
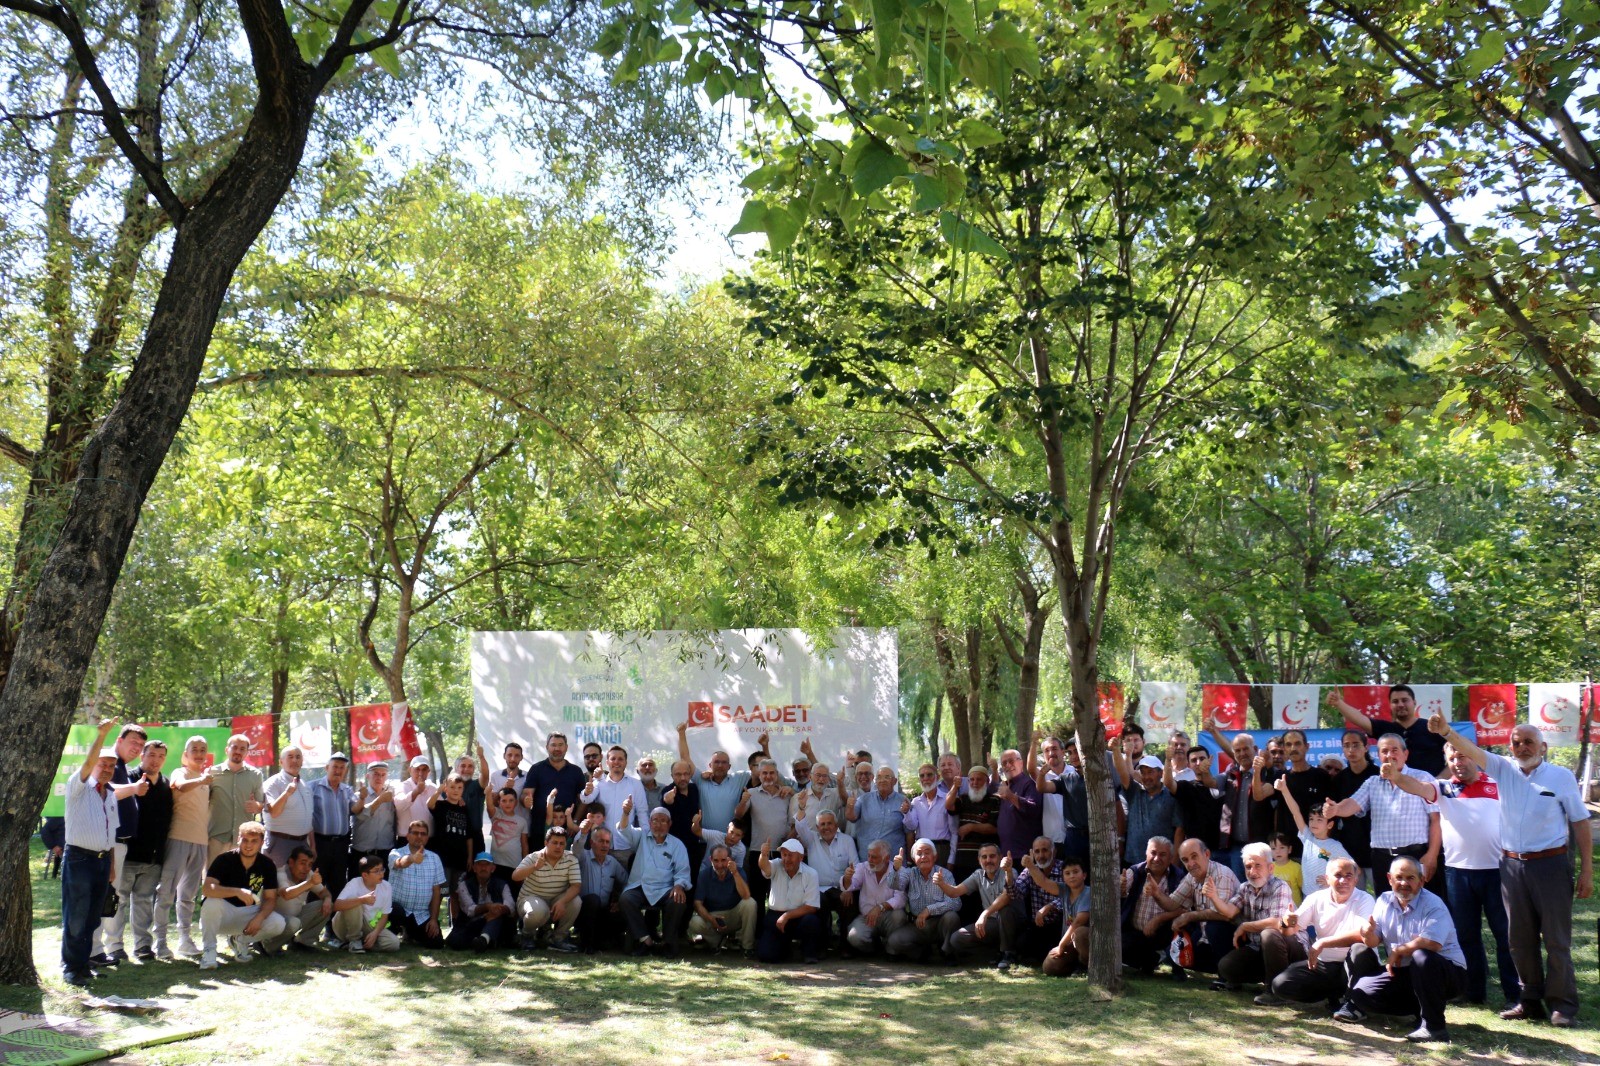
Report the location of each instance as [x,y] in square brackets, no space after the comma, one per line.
[1259,953]
[1402,823]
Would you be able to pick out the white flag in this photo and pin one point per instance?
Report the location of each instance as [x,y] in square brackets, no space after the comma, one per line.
[1432,699]
[312,733]
[1554,710]
[1295,706]
[1162,705]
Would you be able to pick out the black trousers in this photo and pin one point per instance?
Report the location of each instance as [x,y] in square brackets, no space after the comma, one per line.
[597,925]
[414,931]
[834,911]
[640,914]
[773,944]
[1424,987]
[333,861]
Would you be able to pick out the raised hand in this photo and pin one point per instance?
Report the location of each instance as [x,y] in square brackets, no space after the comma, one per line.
[938,876]
[905,807]
[550,800]
[670,795]
[1390,771]
[900,859]
[1281,785]
[761,741]
[695,823]
[1439,723]
[803,797]
[627,806]
[1262,762]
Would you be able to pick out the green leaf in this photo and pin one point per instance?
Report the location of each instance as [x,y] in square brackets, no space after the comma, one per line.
[963,18]
[753,219]
[387,58]
[871,166]
[966,237]
[611,39]
[978,134]
[783,226]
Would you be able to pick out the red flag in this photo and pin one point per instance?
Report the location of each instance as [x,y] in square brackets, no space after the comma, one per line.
[258,727]
[380,731]
[1591,699]
[1112,707]
[1370,700]
[1493,709]
[1225,705]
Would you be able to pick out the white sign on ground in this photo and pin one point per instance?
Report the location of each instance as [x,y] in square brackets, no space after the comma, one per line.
[731,685]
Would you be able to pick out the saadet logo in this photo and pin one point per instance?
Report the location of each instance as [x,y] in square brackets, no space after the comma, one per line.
[703,714]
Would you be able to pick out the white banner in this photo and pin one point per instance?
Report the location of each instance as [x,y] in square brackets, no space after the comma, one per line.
[731,685]
[1295,706]
[1554,709]
[1433,699]
[312,733]
[1162,705]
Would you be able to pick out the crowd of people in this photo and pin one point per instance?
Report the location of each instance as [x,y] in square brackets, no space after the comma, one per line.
[1355,886]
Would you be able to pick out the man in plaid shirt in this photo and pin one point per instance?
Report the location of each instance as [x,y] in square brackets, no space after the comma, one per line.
[1261,901]
[1036,897]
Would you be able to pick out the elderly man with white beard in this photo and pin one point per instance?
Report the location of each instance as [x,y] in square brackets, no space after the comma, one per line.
[873,888]
[977,814]
[1540,812]
[1318,968]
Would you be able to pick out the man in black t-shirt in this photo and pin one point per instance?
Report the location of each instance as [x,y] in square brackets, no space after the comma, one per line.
[1200,802]
[977,812]
[1426,749]
[1355,833]
[148,849]
[1308,784]
[240,890]
[553,774]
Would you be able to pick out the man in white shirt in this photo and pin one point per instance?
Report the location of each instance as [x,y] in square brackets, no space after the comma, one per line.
[830,853]
[303,901]
[611,790]
[1320,933]
[288,812]
[411,798]
[792,905]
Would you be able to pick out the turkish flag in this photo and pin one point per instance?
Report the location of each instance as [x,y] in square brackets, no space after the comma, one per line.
[263,746]
[1226,706]
[1370,700]
[1112,706]
[382,731]
[1493,710]
[1591,696]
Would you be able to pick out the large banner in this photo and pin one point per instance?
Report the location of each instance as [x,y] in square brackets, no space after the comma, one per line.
[1493,709]
[379,732]
[1162,705]
[79,737]
[1555,710]
[730,685]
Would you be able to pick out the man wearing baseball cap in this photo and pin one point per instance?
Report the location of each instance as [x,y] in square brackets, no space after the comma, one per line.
[332,803]
[411,799]
[1152,810]
[792,904]
[483,909]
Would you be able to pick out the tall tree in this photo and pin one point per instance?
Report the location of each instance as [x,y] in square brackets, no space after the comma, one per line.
[1119,256]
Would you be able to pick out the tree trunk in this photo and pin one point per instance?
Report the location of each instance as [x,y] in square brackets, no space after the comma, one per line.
[944,653]
[121,460]
[436,752]
[933,731]
[1035,615]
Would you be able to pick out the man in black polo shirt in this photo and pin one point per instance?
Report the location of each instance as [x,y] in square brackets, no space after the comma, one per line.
[553,774]
[1426,749]
[241,892]
[1355,833]
[148,849]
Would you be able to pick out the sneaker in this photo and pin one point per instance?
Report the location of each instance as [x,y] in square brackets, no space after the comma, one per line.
[145,955]
[163,952]
[335,943]
[187,948]
[1349,1013]
[1423,1035]
[208,961]
[241,949]
[103,959]
[1005,962]
[357,947]
[118,956]
[566,947]
[1270,999]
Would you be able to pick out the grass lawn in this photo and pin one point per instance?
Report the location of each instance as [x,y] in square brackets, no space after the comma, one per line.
[521,1008]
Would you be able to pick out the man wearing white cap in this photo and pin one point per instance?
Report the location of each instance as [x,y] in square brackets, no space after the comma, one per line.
[792,905]
[1152,810]
[411,799]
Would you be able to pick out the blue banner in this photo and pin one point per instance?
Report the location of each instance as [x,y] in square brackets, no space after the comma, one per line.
[1319,742]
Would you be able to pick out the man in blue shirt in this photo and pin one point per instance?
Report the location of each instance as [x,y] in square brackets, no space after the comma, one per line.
[600,918]
[1417,965]
[1540,811]
[658,884]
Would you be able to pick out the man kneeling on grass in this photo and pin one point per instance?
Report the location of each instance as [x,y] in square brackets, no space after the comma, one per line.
[483,908]
[240,889]
[361,913]
[304,903]
[417,880]
[550,881]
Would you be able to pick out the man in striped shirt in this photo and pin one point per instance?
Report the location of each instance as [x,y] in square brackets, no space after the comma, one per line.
[550,881]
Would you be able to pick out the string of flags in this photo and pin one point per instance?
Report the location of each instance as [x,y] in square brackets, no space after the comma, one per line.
[1558,710]
[377,731]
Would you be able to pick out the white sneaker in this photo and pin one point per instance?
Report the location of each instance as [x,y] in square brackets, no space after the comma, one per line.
[357,947]
[187,948]
[208,961]
[335,943]
[241,950]
[163,952]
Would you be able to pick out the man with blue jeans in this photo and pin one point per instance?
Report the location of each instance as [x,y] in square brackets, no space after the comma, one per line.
[1470,805]
[86,861]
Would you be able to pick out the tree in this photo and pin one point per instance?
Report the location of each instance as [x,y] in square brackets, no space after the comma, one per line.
[1119,256]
